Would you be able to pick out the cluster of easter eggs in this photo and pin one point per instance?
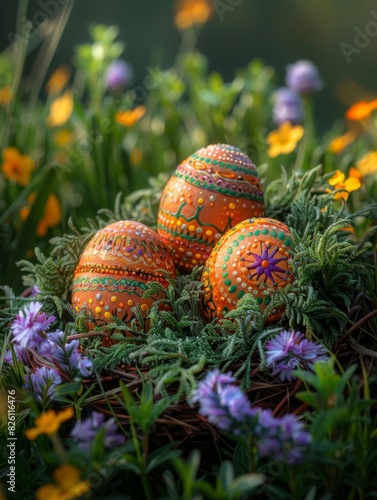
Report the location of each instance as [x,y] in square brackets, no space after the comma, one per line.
[212,214]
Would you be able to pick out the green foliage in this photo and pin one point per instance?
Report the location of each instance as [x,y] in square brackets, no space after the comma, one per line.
[342,456]
[227,486]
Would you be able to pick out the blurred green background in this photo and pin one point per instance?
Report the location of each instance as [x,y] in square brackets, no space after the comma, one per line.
[278,32]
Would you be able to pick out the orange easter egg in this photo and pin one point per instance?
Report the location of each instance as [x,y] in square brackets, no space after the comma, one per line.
[209,193]
[114,269]
[253,257]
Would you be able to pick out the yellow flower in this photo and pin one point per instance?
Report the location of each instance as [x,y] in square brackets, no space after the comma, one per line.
[5,95]
[49,492]
[361,110]
[52,214]
[190,12]
[68,485]
[49,423]
[367,164]
[338,144]
[17,167]
[136,156]
[58,80]
[63,137]
[60,110]
[339,181]
[130,117]
[284,140]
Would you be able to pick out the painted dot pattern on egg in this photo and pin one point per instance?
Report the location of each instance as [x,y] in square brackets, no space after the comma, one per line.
[252,257]
[114,270]
[209,193]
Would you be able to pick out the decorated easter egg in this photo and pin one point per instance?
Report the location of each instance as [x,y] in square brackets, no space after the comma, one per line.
[253,257]
[114,270]
[209,193]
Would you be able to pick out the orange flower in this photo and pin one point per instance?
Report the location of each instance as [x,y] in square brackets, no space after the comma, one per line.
[361,110]
[60,110]
[190,12]
[49,423]
[130,117]
[5,95]
[338,144]
[52,214]
[353,172]
[284,140]
[339,181]
[58,79]
[367,165]
[68,485]
[17,167]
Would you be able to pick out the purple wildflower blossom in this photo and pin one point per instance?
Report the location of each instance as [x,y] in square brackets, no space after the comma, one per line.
[303,77]
[43,381]
[66,356]
[29,325]
[223,403]
[118,75]
[20,352]
[287,107]
[35,290]
[85,432]
[290,350]
[283,438]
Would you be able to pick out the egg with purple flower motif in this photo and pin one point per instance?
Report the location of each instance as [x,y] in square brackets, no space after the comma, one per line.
[253,257]
[114,269]
[209,193]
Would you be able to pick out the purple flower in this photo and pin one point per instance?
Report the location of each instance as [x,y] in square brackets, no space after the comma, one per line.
[43,381]
[20,352]
[29,325]
[85,432]
[283,438]
[290,350]
[222,402]
[225,405]
[66,356]
[118,75]
[35,290]
[303,77]
[287,107]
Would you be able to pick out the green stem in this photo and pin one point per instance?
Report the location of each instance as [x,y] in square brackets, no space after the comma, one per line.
[252,455]
[309,133]
[45,56]
[22,33]
[142,456]
[58,447]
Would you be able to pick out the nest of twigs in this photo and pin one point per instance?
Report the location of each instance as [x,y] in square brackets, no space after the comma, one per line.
[182,424]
